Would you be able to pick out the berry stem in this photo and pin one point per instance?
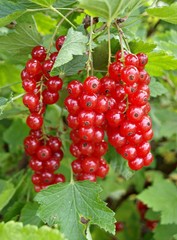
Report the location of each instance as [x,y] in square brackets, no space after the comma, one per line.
[61,15]
[120,40]
[56,29]
[109,45]
[89,64]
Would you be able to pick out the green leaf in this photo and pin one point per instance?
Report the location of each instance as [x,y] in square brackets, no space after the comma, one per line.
[137,46]
[7,191]
[13,212]
[3,100]
[72,67]
[107,9]
[10,11]
[24,38]
[14,137]
[159,62]
[13,112]
[28,214]
[166,13]
[15,230]
[43,3]
[151,215]
[165,232]
[156,88]
[157,197]
[64,3]
[67,204]
[45,23]
[75,44]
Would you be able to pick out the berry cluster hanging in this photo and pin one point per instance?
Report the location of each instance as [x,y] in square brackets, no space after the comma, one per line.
[41,90]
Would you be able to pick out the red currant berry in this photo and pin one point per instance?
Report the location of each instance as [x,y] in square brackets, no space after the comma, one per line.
[54,143]
[119,226]
[148,159]
[100,149]
[118,55]
[86,176]
[114,117]
[74,135]
[143,59]
[50,97]
[44,153]
[136,164]
[36,179]
[39,53]
[108,85]
[143,149]
[119,94]
[54,84]
[59,42]
[86,148]
[31,144]
[53,56]
[99,119]
[36,165]
[130,89]
[47,67]
[47,178]
[115,70]
[29,85]
[30,100]
[98,135]
[86,133]
[102,104]
[52,164]
[145,124]
[130,75]
[76,166]
[72,121]
[147,136]
[75,150]
[75,88]
[135,114]
[127,128]
[131,59]
[115,139]
[135,139]
[88,101]
[59,155]
[72,105]
[90,164]
[92,84]
[59,178]
[139,98]
[33,67]
[103,169]
[128,152]
[34,121]
[86,118]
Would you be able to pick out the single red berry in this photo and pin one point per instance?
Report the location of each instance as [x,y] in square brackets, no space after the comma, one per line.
[127,128]
[135,139]
[29,85]
[59,178]
[59,155]
[115,139]
[72,121]
[90,164]
[148,159]
[33,67]
[36,179]
[119,226]
[36,133]
[86,148]
[143,149]
[52,164]
[44,153]
[25,75]
[54,84]
[103,169]
[136,164]
[151,224]
[130,75]
[30,100]
[147,136]
[100,119]
[86,133]
[146,108]
[53,56]
[139,98]
[118,55]
[130,89]
[145,124]
[122,106]
[54,143]
[100,149]
[144,87]
[59,42]
[128,152]
[108,85]
[36,165]
[88,101]
[34,121]
[76,166]
[86,176]
[86,118]
[111,103]
[119,93]
[131,59]
[143,60]
[115,70]
[75,88]
[75,150]
[40,109]
[47,178]
[74,136]
[50,97]
[102,104]
[47,67]
[72,105]
[98,135]
[92,84]
[31,144]
[39,53]
[135,114]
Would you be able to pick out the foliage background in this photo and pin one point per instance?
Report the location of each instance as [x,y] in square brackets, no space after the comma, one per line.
[150,28]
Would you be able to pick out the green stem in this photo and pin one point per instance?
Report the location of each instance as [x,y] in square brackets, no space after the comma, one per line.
[56,30]
[109,45]
[90,60]
[61,15]
[9,85]
[121,41]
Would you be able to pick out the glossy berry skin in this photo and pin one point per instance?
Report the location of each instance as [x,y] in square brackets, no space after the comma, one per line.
[36,133]
[88,101]
[36,179]
[75,150]
[31,144]
[108,85]
[130,75]
[25,75]
[76,166]
[52,164]
[139,98]
[54,84]
[34,121]
[47,178]
[131,59]
[145,124]
[130,89]
[50,97]
[102,104]
[128,152]
[119,226]
[92,84]
[59,155]
[143,149]
[39,53]
[29,85]
[90,164]
[33,67]
[127,128]
[86,118]
[98,135]
[72,105]
[59,42]
[44,153]
[54,143]
[100,149]
[114,117]
[30,100]
[103,169]
[143,60]
[147,136]
[74,135]
[75,88]
[135,139]
[59,178]
[86,148]
[115,70]
[118,55]
[72,121]
[36,165]
[148,159]
[119,93]
[135,114]
[136,164]
[47,67]
[86,133]
[86,176]
[151,224]
[53,56]
[100,119]
[116,139]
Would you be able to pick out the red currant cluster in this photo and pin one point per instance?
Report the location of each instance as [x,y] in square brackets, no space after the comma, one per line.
[142,209]
[129,126]
[41,90]
[86,118]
